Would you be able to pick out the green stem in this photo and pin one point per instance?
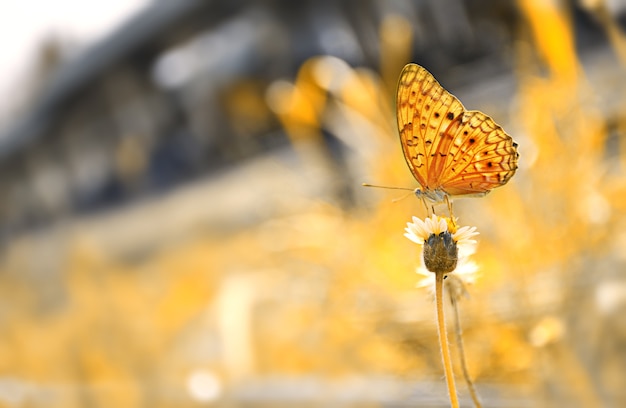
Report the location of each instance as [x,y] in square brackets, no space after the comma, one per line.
[443,341]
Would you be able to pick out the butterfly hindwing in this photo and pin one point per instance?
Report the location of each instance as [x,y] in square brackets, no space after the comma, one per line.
[480,157]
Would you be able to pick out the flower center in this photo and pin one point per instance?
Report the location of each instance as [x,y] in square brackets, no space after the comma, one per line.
[440,253]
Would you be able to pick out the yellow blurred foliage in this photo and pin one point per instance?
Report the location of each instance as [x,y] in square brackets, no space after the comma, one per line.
[324,291]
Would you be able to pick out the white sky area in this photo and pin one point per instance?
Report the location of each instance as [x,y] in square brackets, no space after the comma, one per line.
[25,26]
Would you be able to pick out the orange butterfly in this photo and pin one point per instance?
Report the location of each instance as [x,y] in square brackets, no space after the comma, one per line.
[450,151]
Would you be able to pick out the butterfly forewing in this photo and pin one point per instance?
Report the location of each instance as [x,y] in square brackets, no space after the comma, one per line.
[424,109]
[447,148]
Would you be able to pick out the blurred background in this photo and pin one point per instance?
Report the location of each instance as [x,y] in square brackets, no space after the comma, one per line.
[182,220]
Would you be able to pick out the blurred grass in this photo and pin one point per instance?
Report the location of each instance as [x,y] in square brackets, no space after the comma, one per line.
[324,289]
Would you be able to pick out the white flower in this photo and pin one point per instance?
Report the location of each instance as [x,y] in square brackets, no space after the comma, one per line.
[419,231]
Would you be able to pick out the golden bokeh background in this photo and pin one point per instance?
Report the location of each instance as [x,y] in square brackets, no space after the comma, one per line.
[237,261]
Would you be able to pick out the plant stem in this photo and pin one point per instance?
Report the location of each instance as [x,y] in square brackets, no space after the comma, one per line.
[443,341]
[459,341]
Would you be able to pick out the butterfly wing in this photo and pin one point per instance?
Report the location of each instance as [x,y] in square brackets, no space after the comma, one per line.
[425,110]
[474,156]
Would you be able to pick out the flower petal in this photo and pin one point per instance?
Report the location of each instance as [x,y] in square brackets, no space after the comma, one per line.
[410,235]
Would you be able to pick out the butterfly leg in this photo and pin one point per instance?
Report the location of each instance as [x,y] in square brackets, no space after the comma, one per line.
[425,205]
[449,203]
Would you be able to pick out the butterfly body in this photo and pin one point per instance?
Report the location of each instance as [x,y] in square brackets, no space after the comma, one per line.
[449,150]
[436,196]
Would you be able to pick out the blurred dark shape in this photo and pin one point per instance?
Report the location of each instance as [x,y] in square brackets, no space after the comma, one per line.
[155,104]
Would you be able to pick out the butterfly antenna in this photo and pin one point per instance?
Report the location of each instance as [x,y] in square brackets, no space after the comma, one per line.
[387,187]
[395,200]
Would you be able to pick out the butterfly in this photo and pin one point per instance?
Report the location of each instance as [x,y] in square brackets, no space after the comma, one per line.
[449,150]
